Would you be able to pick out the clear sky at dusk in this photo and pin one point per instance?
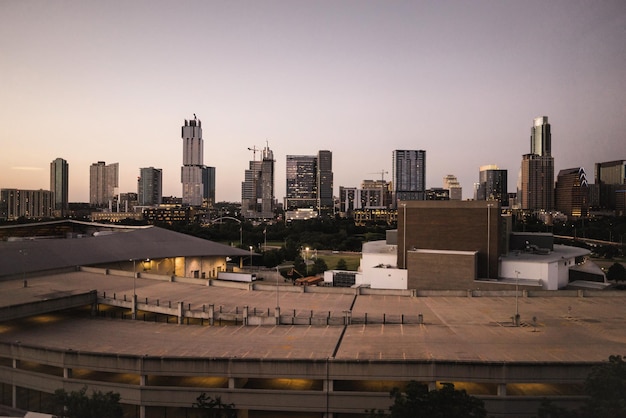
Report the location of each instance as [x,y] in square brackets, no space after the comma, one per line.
[113,81]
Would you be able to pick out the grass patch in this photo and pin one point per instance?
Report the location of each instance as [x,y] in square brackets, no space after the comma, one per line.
[352,260]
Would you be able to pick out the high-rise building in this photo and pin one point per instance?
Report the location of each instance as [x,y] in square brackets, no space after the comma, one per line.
[59,185]
[451,183]
[33,204]
[610,178]
[193,162]
[150,186]
[375,194]
[347,200]
[257,189]
[325,201]
[537,175]
[409,175]
[301,190]
[572,192]
[208,184]
[492,184]
[540,137]
[103,183]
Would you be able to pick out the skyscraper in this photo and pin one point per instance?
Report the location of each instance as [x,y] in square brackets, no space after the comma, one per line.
[540,137]
[208,184]
[150,186]
[572,192]
[301,190]
[103,183]
[492,184]
[193,157]
[409,175]
[59,185]
[325,182]
[537,174]
[310,182]
[610,178]
[257,189]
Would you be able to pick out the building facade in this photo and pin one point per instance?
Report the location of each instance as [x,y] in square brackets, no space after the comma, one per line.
[325,202]
[257,190]
[451,183]
[492,185]
[572,193]
[103,183]
[59,186]
[310,182]
[193,162]
[150,186]
[32,204]
[409,175]
[610,178]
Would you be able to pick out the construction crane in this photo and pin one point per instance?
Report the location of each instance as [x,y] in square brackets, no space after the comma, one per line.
[382,174]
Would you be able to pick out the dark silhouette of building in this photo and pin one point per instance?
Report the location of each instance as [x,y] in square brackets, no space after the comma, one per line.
[572,192]
[409,175]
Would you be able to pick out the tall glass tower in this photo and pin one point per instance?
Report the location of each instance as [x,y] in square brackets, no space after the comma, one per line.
[537,174]
[409,175]
[193,156]
[59,182]
[150,186]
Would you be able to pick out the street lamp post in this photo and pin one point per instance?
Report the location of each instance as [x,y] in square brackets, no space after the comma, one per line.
[251,257]
[516,295]
[404,236]
[306,261]
[134,311]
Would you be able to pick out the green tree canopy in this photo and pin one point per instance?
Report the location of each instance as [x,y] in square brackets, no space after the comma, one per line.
[417,401]
[616,272]
[342,265]
[77,404]
[214,408]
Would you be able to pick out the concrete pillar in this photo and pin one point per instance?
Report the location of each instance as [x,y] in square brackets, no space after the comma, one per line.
[67,373]
[245,315]
[180,313]
[328,385]
[211,314]
[231,383]
[277,315]
[133,308]
[14,389]
[142,411]
[502,389]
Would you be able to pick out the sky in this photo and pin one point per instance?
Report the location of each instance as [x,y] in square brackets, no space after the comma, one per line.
[114,81]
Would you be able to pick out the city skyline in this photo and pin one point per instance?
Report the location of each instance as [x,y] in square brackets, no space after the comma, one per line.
[112,82]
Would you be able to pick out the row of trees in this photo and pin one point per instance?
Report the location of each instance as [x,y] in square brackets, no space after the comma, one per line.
[605,388]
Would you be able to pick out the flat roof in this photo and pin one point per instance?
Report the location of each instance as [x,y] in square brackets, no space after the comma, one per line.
[565,329]
[558,253]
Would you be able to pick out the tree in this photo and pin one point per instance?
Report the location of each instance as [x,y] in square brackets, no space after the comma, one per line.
[342,265]
[77,404]
[214,408]
[606,386]
[319,266]
[417,401]
[617,272]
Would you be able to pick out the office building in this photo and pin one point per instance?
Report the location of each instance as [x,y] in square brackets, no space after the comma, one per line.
[572,193]
[150,186]
[193,162]
[492,185]
[103,183]
[32,204]
[537,174]
[325,201]
[451,183]
[437,193]
[610,178]
[347,200]
[409,175]
[257,189]
[59,185]
[310,182]
[208,185]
